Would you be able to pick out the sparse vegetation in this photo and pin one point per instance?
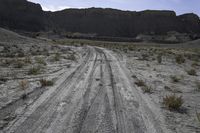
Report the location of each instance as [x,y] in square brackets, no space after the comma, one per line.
[40,60]
[34,70]
[28,60]
[175,79]
[159,58]
[2,80]
[198,116]
[198,85]
[145,57]
[180,59]
[71,57]
[6,62]
[173,102]
[192,72]
[147,89]
[45,82]
[57,57]
[140,83]
[19,63]
[144,87]
[23,84]
[194,64]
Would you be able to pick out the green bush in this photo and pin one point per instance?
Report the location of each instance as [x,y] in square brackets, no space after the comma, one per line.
[173,102]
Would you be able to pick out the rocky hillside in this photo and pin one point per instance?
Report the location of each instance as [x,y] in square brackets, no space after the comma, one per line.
[20,14]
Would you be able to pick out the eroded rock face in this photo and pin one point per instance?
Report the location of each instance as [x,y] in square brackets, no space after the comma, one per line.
[110,22]
[23,15]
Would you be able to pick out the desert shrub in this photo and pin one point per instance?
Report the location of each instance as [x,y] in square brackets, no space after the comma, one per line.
[71,57]
[130,48]
[125,50]
[44,82]
[57,57]
[147,89]
[19,63]
[145,57]
[198,85]
[194,64]
[28,60]
[175,79]
[40,60]
[140,83]
[192,72]
[167,88]
[180,59]
[2,79]
[159,58]
[23,84]
[198,116]
[20,53]
[6,62]
[173,102]
[34,70]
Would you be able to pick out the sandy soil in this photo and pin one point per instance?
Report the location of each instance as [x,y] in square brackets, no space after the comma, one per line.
[98,96]
[95,91]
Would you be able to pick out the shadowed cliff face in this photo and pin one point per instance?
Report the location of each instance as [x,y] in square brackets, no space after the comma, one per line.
[20,14]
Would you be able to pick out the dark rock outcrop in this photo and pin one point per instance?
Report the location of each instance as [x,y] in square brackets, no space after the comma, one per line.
[20,14]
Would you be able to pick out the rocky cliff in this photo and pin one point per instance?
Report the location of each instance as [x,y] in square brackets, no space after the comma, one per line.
[20,14]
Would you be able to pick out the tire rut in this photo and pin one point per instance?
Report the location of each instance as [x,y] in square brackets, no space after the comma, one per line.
[42,110]
[83,104]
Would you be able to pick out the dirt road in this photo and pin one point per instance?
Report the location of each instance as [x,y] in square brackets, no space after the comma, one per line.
[99,96]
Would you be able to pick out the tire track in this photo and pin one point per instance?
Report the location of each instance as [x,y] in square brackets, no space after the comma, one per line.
[118,103]
[22,125]
[84,103]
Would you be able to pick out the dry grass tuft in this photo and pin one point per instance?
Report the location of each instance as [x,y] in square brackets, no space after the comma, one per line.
[147,89]
[180,59]
[34,70]
[192,72]
[173,102]
[159,58]
[40,60]
[23,84]
[198,85]
[175,79]
[45,82]
[198,116]
[140,83]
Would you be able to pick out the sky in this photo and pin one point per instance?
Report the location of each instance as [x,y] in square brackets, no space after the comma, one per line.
[179,6]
